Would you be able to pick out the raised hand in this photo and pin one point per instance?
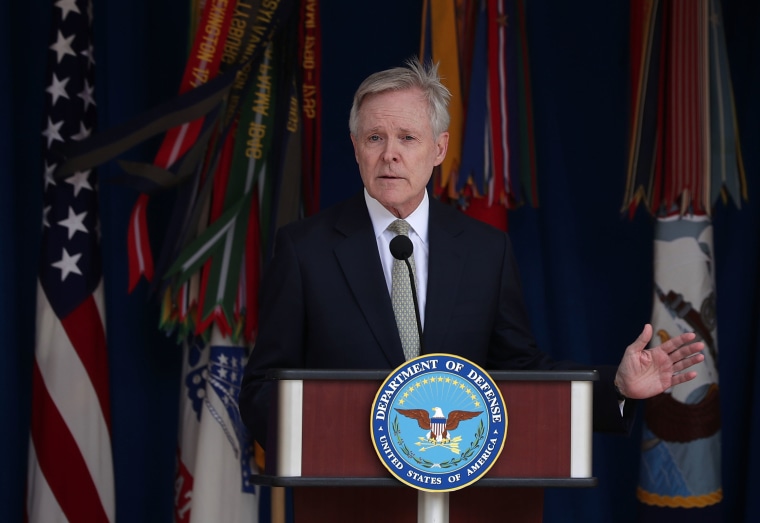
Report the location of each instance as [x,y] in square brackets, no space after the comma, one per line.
[644,373]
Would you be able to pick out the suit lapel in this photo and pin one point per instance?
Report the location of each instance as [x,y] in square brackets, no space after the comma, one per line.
[359,260]
[445,266]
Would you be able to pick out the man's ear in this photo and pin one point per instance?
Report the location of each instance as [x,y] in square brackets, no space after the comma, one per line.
[353,142]
[442,145]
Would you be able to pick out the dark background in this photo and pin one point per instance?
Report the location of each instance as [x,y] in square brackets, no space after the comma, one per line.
[587,268]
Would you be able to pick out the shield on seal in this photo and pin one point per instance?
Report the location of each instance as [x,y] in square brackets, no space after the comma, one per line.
[438,427]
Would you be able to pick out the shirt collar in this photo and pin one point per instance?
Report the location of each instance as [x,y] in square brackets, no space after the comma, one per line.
[382,217]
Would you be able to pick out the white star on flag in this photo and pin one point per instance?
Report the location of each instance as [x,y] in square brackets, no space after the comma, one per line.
[74,222]
[53,132]
[62,46]
[79,181]
[57,89]
[68,264]
[90,54]
[87,95]
[66,7]
[45,213]
[83,133]
[49,170]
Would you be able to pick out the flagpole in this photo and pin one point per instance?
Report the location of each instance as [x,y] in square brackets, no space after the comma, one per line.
[277,495]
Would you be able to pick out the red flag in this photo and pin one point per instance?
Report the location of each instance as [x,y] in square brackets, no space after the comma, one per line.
[70,475]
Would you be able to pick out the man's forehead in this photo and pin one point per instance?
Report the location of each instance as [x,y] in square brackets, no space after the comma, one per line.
[390,124]
[397,113]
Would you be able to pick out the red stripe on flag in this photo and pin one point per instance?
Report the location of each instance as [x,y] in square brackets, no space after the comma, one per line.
[60,459]
[178,141]
[684,143]
[659,191]
[202,65]
[493,213]
[84,328]
[497,83]
[310,57]
[218,198]
[138,244]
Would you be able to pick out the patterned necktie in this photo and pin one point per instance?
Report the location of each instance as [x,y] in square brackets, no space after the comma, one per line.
[401,297]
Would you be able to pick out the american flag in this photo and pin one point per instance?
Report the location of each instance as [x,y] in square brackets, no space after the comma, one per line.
[70,475]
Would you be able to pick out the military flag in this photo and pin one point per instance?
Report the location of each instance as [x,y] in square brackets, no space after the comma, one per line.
[684,156]
[680,448]
[255,183]
[70,474]
[215,454]
[482,49]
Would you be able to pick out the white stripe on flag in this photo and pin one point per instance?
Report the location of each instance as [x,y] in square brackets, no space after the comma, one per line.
[75,398]
[41,504]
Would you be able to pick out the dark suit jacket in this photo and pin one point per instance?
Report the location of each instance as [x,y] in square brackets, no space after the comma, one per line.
[324,304]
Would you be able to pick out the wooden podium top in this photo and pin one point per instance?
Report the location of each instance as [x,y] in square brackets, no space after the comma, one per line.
[323,436]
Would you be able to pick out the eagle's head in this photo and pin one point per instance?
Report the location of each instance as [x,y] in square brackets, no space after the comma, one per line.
[437,412]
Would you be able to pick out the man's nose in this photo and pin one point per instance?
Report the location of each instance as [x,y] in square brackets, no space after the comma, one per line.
[390,153]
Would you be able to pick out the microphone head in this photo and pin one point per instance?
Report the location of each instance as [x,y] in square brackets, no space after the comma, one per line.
[401,247]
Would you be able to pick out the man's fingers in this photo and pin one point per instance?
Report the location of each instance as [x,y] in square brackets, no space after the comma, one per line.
[643,340]
[679,342]
[683,377]
[687,362]
[685,350]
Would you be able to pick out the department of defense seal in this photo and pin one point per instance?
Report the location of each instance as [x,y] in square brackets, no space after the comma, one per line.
[438,422]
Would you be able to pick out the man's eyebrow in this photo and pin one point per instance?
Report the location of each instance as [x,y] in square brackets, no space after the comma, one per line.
[399,130]
[408,130]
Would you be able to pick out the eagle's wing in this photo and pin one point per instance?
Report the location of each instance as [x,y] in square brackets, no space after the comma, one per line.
[455,416]
[421,415]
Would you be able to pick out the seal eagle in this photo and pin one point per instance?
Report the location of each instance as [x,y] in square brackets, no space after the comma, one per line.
[438,426]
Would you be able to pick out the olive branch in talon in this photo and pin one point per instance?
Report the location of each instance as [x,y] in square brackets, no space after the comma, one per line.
[452,445]
[464,456]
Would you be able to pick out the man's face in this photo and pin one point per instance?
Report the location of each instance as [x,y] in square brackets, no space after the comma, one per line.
[396,150]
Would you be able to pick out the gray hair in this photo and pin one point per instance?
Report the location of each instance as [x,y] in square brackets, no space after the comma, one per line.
[414,75]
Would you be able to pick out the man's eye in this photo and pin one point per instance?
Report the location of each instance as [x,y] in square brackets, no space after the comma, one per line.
[408,137]
[374,138]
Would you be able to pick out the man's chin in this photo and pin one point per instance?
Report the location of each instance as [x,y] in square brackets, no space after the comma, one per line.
[399,204]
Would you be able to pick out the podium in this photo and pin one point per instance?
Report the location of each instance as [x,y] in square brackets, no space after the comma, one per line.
[319,444]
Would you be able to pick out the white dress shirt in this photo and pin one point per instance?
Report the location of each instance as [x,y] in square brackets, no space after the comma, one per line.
[418,233]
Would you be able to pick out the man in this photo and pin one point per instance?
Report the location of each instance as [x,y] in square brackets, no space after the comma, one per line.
[326,296]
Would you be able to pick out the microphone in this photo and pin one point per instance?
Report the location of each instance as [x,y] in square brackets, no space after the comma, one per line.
[401,249]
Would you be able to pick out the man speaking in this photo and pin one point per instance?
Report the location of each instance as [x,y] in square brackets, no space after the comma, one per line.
[335,297]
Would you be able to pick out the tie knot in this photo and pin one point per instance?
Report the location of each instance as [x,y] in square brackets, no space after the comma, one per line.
[400,227]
